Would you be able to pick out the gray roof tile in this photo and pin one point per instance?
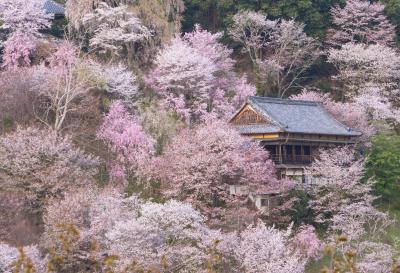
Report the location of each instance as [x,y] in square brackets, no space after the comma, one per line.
[295,116]
[53,7]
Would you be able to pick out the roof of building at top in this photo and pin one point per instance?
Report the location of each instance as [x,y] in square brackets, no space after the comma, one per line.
[54,8]
[294,116]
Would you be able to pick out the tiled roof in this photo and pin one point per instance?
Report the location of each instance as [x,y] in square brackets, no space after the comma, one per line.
[294,116]
[54,8]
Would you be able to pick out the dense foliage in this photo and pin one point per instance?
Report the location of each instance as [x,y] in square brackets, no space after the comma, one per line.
[383,165]
[217,14]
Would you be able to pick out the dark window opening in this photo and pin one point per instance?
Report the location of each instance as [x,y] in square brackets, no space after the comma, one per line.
[289,150]
[264,202]
[297,150]
[271,149]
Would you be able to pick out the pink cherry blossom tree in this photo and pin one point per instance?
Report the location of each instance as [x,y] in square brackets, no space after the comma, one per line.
[208,45]
[202,163]
[24,19]
[361,21]
[124,137]
[243,91]
[307,242]
[18,49]
[194,77]
[379,103]
[183,77]
[48,166]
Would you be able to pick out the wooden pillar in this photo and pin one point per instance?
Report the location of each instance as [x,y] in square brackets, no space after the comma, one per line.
[280,152]
[294,152]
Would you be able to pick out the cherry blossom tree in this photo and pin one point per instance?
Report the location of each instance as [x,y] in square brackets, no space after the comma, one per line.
[252,30]
[9,257]
[48,166]
[18,49]
[369,75]
[150,234]
[379,103]
[62,85]
[114,30]
[243,91]
[361,21]
[184,77]
[209,46]
[307,242]
[124,137]
[8,254]
[266,249]
[341,199]
[194,77]
[25,16]
[375,257]
[359,64]
[279,50]
[202,163]
[118,81]
[174,231]
[92,211]
[24,20]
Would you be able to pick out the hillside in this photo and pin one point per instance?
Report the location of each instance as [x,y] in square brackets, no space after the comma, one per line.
[199,136]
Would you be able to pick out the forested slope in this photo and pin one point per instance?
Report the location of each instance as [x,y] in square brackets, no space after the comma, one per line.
[116,152]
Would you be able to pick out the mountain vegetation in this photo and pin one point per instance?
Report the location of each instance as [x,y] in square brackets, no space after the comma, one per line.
[117,155]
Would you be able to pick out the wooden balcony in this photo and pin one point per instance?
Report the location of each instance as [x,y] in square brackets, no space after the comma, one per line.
[292,159]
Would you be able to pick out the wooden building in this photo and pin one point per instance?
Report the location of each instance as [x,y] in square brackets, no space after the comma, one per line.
[291,130]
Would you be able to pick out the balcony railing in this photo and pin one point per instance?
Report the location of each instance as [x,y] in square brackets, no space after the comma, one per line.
[292,159]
